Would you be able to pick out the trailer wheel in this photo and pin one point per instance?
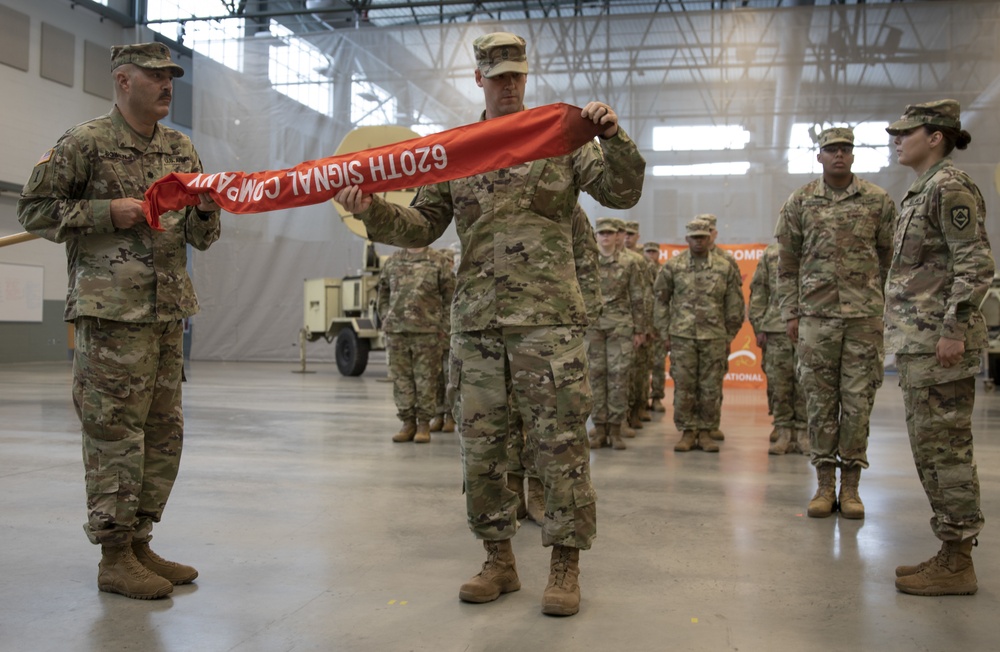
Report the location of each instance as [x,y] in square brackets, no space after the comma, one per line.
[351,352]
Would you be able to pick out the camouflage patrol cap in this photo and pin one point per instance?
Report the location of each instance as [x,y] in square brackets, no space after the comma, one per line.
[631,226]
[619,223]
[606,224]
[500,52]
[835,135]
[698,227]
[154,56]
[941,113]
[708,218]
[651,246]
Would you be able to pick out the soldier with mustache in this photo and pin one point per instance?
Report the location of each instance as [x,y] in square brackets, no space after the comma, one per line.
[129,292]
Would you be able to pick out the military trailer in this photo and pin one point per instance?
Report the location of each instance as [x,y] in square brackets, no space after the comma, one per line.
[342,311]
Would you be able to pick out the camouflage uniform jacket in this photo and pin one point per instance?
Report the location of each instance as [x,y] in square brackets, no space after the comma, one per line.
[131,275]
[415,292]
[942,264]
[835,250]
[764,313]
[585,255]
[623,289]
[728,255]
[698,301]
[652,269]
[645,274]
[516,229]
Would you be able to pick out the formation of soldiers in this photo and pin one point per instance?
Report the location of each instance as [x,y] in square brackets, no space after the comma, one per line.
[645,312]
[817,307]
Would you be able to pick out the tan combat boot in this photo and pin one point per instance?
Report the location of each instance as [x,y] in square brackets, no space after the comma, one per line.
[706,442]
[633,419]
[850,502]
[774,435]
[627,432]
[437,423]
[536,500]
[824,502]
[688,440]
[120,572]
[644,414]
[950,572]
[499,574]
[169,570]
[615,433]
[407,432]
[423,434]
[562,594]
[597,435]
[717,435]
[657,405]
[515,482]
[910,570]
[802,440]
[782,444]
[449,423]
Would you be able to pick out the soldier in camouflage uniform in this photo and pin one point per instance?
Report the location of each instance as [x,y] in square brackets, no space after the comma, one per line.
[519,315]
[415,289]
[612,339]
[835,238]
[942,266]
[713,221]
[443,421]
[699,310]
[129,292]
[785,399]
[639,376]
[658,355]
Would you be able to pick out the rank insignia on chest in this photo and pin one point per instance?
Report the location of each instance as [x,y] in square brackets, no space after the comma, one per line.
[960,216]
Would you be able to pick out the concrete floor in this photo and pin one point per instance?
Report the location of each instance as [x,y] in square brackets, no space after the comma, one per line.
[312,531]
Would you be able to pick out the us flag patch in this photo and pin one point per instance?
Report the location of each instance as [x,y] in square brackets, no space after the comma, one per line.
[961,216]
[45,157]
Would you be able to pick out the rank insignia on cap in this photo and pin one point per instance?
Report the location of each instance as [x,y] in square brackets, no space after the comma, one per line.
[960,217]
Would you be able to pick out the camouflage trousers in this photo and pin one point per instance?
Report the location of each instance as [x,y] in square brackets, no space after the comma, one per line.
[697,368]
[521,449]
[612,364]
[442,382]
[658,370]
[785,398]
[840,368]
[545,369]
[415,366]
[127,394]
[939,422]
[638,393]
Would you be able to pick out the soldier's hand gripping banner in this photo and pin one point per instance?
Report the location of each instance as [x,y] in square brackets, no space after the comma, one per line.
[544,132]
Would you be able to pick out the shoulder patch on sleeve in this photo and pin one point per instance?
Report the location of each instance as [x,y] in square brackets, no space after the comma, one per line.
[45,157]
[961,217]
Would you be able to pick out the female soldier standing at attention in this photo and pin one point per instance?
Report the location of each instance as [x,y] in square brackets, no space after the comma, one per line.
[941,269]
